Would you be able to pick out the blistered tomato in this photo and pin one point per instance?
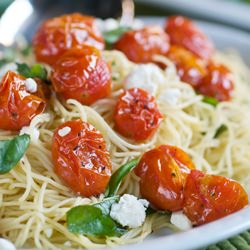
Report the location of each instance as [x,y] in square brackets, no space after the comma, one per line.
[82,74]
[183,32]
[162,173]
[81,158]
[136,114]
[56,35]
[17,106]
[141,45]
[189,67]
[217,83]
[209,197]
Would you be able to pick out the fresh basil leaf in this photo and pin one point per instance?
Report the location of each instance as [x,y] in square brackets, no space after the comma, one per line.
[11,151]
[89,220]
[106,204]
[113,36]
[37,70]
[118,175]
[220,130]
[210,100]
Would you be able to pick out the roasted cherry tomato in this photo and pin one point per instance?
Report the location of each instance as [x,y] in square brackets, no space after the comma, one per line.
[82,74]
[56,35]
[183,32]
[141,45]
[210,197]
[81,158]
[17,106]
[217,83]
[189,67]
[162,173]
[136,114]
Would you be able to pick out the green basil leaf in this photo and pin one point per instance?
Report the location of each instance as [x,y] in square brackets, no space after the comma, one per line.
[210,100]
[27,50]
[106,204]
[11,151]
[113,36]
[220,130]
[117,177]
[37,70]
[89,220]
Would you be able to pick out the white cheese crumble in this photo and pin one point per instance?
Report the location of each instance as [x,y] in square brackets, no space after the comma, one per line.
[145,76]
[129,211]
[31,85]
[48,232]
[170,96]
[180,220]
[6,245]
[4,69]
[32,131]
[64,131]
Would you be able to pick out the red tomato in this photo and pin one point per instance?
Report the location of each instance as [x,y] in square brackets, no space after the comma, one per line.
[141,45]
[210,197]
[136,114]
[56,35]
[189,67]
[17,106]
[183,32]
[162,173]
[81,158]
[82,74]
[218,83]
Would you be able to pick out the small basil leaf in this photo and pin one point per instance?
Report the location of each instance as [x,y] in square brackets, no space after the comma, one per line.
[89,220]
[37,70]
[11,151]
[117,177]
[220,130]
[106,204]
[210,100]
[113,36]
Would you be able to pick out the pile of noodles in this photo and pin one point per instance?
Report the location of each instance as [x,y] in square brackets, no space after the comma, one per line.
[33,200]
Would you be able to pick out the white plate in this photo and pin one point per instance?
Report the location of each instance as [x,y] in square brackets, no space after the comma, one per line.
[236,223]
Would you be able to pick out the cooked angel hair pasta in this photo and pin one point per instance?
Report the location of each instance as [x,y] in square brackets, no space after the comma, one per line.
[34,201]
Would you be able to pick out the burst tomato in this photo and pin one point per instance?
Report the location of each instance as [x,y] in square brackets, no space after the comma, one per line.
[189,67]
[162,173]
[81,158]
[217,83]
[82,74]
[209,197]
[141,45]
[183,32]
[56,35]
[17,106]
[136,114]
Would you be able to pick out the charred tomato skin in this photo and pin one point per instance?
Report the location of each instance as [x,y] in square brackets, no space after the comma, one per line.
[81,158]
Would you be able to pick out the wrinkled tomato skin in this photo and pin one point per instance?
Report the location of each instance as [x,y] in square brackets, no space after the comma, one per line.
[189,67]
[141,45]
[183,32]
[83,75]
[217,83]
[17,106]
[210,197]
[136,115]
[81,158]
[162,173]
[56,35]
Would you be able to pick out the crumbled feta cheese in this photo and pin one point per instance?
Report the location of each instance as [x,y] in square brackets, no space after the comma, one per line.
[33,132]
[106,25]
[64,131]
[48,232]
[6,245]
[30,85]
[129,211]
[4,69]
[170,95]
[180,220]
[145,76]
